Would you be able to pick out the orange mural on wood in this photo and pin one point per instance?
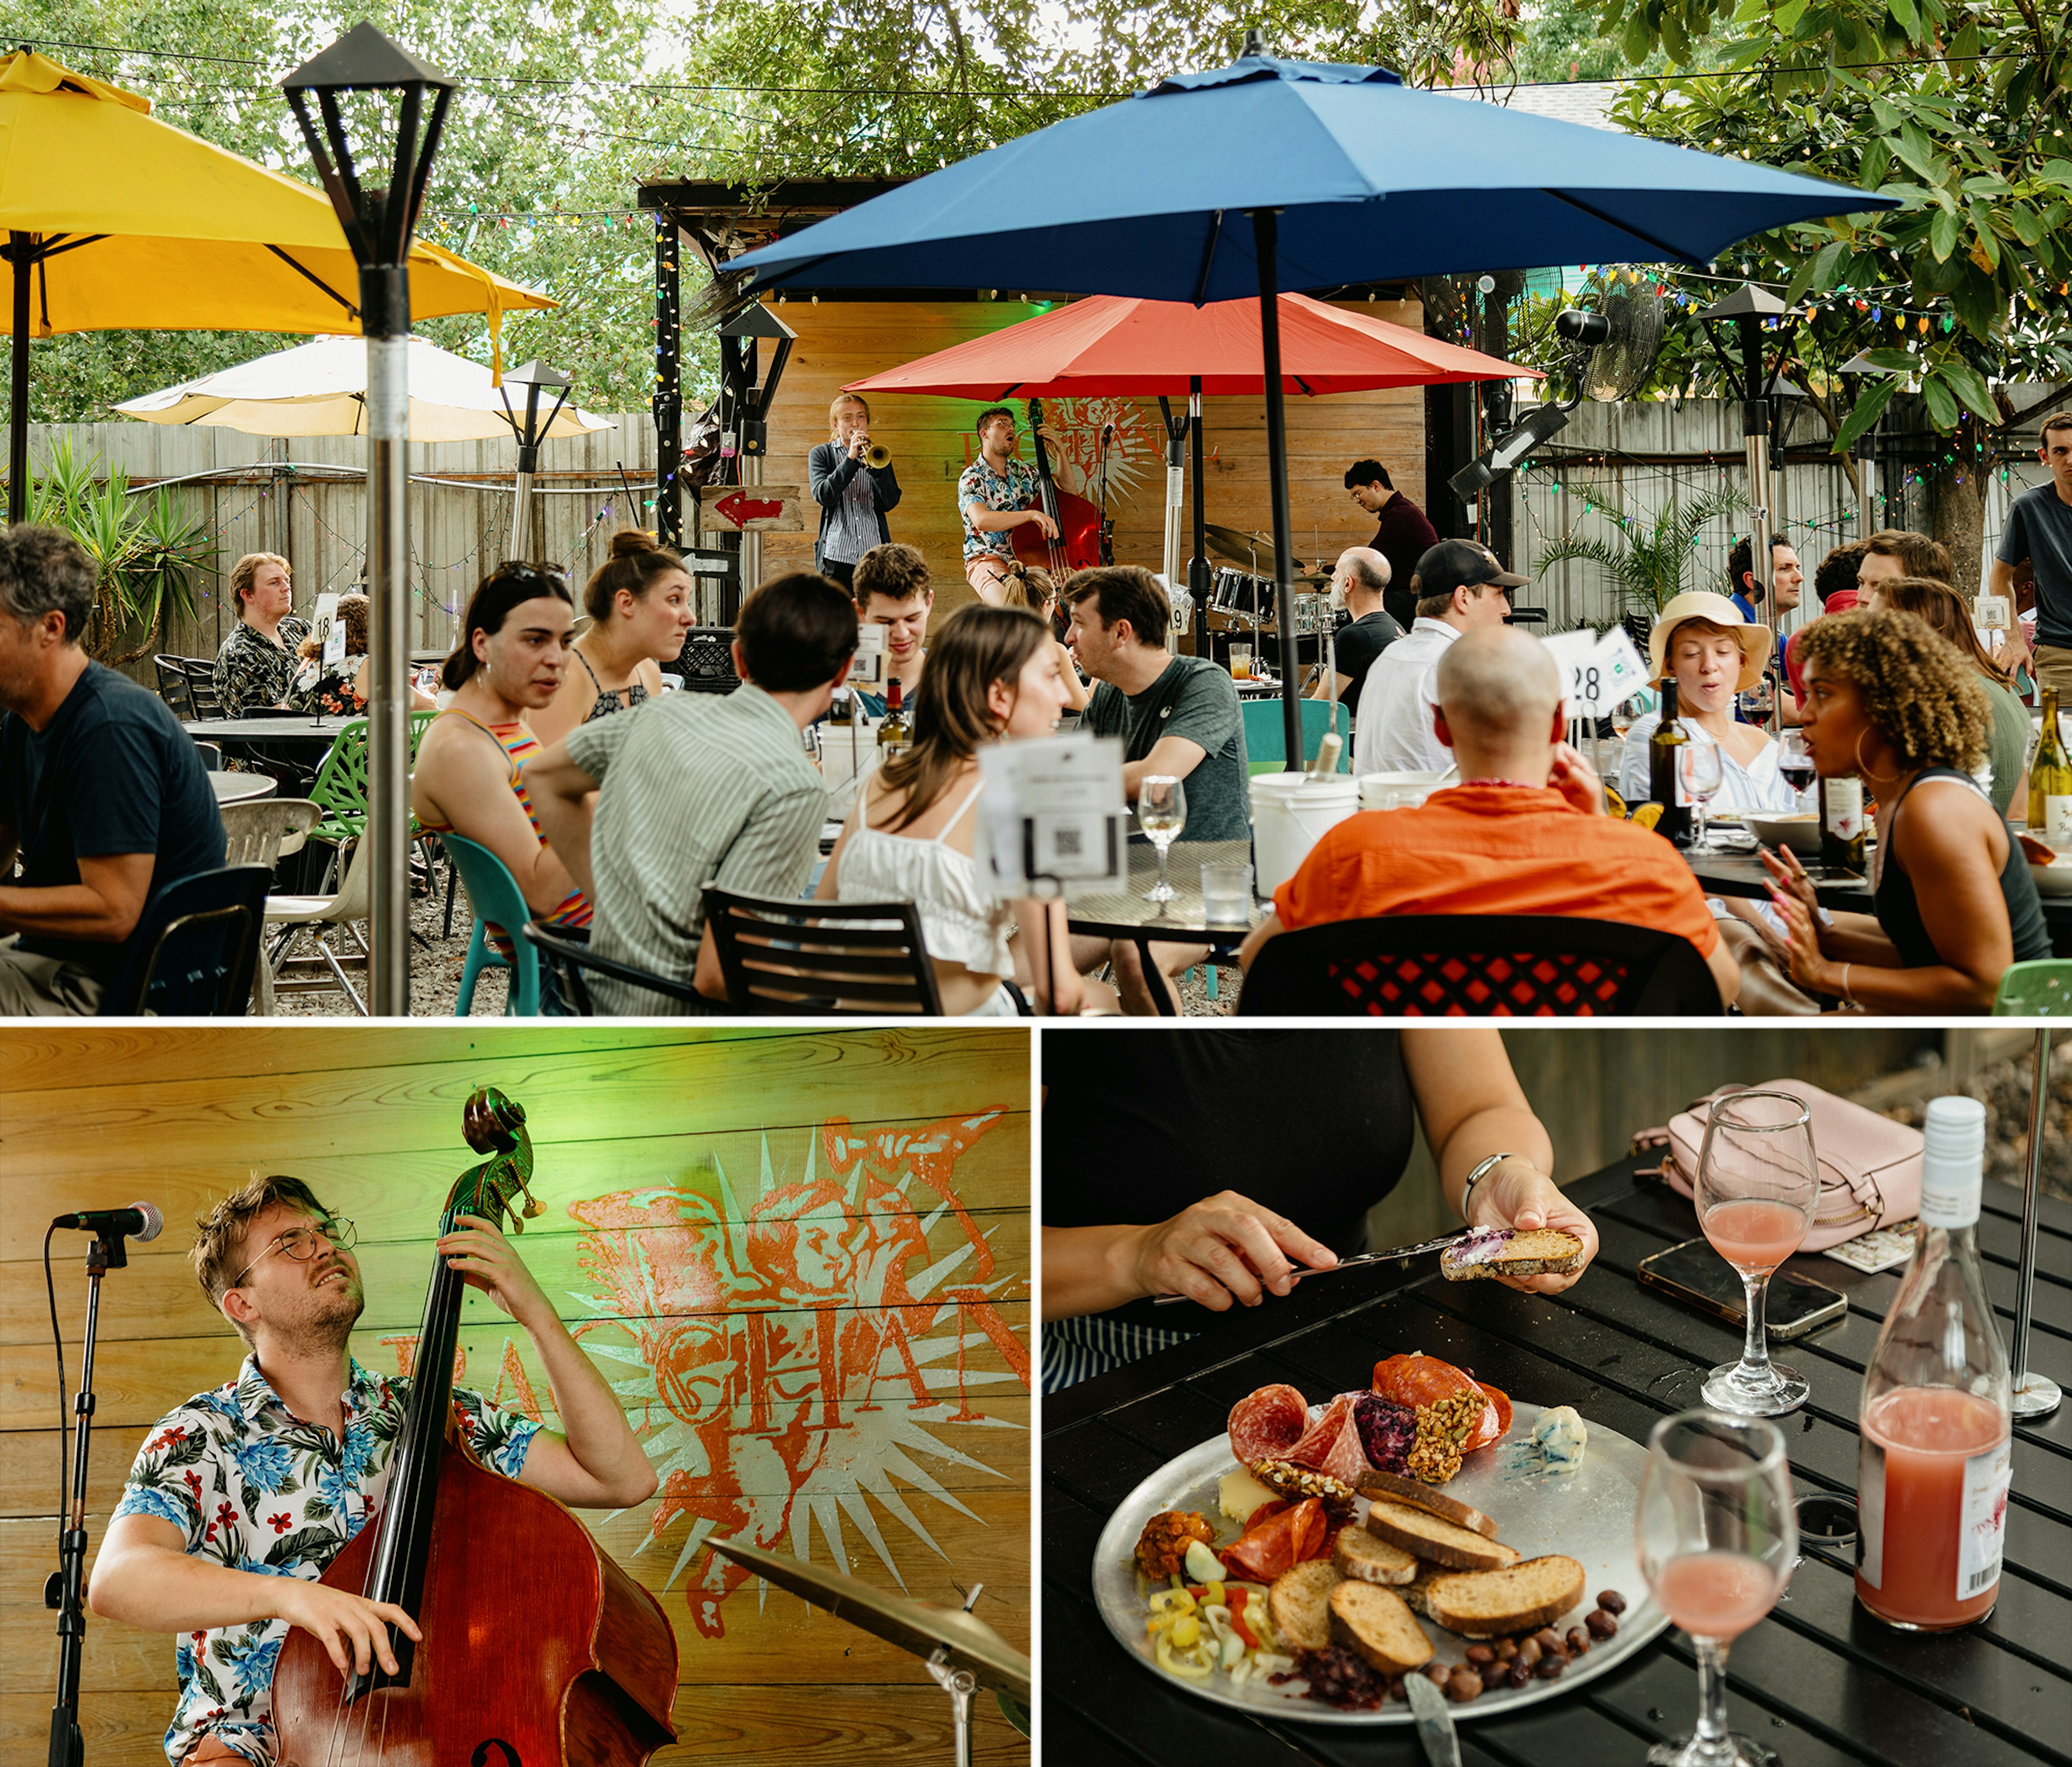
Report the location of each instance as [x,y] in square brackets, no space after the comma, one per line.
[796,1350]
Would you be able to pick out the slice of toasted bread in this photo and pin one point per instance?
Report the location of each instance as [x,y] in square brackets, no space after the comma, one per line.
[1521,1597]
[1428,1536]
[1299,1605]
[1394,1488]
[1365,1558]
[1413,1592]
[1507,1252]
[1375,1624]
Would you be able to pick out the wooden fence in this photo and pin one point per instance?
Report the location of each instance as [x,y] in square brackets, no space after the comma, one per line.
[714,1201]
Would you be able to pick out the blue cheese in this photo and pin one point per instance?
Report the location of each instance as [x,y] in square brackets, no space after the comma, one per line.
[1559,1436]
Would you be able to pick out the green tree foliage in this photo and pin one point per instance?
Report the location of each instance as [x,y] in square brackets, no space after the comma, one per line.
[1647,565]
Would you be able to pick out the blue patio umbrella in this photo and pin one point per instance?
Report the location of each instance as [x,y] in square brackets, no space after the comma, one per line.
[1269,175]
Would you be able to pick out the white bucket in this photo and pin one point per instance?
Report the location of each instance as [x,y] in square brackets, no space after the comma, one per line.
[1396,791]
[1289,813]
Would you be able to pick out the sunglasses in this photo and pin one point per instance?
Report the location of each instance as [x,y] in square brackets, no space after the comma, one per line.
[300,1243]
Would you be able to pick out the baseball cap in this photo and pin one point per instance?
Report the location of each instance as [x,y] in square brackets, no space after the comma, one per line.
[1457,564]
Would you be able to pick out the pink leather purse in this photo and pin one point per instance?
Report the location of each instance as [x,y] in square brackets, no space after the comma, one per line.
[1870,1166]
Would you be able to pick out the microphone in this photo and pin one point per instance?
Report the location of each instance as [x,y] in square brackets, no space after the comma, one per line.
[139,1220]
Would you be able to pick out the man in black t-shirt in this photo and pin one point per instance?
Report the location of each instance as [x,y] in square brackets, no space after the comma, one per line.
[102,794]
[1359,581]
[1403,537]
[2039,530]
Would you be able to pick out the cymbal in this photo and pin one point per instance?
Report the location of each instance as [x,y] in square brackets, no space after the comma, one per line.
[918,1627]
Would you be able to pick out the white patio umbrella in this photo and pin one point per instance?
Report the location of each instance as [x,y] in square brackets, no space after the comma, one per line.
[320,388]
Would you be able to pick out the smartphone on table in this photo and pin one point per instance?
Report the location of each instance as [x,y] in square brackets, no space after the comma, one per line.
[1696,1275]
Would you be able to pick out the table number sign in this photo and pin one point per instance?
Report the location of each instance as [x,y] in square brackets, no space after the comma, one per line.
[1051,813]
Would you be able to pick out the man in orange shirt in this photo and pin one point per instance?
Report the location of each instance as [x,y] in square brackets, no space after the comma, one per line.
[1525,832]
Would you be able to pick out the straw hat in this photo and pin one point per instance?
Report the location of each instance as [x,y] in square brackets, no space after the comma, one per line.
[1756,641]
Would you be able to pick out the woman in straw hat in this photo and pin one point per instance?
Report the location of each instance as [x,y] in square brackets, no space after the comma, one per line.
[1714,655]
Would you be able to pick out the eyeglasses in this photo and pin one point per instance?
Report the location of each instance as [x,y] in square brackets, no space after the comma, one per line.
[300,1243]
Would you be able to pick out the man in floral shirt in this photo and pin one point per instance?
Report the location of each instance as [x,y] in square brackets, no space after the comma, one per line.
[240,1497]
[994,496]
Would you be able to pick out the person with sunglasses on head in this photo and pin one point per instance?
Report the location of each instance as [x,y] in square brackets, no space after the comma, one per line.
[239,1499]
[512,654]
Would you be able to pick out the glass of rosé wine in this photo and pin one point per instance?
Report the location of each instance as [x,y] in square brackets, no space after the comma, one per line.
[1758,1179]
[1717,1535]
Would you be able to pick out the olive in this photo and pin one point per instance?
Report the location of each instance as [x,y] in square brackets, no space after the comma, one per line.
[1601,1624]
[1463,1685]
[1612,1601]
[1394,1687]
[1551,1667]
[1578,1641]
[1495,1672]
[1438,1674]
[1507,1648]
[1530,1651]
[1480,1653]
[1519,1673]
[1549,1639]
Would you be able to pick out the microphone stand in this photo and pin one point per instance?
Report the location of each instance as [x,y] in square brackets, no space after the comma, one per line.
[62,1590]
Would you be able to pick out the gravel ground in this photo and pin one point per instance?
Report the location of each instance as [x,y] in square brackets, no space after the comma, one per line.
[2003,1087]
[434,972]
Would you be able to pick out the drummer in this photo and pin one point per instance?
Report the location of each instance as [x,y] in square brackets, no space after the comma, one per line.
[996,495]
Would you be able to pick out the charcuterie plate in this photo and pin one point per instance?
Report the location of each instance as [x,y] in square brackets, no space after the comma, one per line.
[1587,1515]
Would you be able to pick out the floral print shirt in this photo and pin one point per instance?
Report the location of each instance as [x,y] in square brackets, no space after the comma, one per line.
[252,671]
[254,1488]
[335,688]
[1015,489]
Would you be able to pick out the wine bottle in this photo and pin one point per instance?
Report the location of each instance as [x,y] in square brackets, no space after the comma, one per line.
[2050,781]
[842,710]
[893,735]
[1842,823]
[1664,748]
[1935,1455]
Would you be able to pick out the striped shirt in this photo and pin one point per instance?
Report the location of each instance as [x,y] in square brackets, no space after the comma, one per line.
[695,789]
[518,742]
[1077,1349]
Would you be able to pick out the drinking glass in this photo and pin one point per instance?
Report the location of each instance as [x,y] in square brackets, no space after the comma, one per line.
[1717,1536]
[1758,1181]
[1794,763]
[1240,662]
[1227,893]
[1700,768]
[1161,813]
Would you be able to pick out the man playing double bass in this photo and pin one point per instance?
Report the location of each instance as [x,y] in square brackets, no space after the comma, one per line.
[996,494]
[240,1497]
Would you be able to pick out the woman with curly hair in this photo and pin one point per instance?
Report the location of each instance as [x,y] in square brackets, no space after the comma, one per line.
[2007,740]
[1889,698]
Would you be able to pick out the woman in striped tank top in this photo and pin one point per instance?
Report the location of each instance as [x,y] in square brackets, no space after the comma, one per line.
[513,653]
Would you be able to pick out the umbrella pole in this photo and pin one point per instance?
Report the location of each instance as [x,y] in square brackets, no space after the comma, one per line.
[1265,231]
[384,300]
[18,411]
[1197,565]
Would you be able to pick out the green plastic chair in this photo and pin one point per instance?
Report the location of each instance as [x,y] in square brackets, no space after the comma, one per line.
[494,895]
[340,789]
[2040,989]
[1263,735]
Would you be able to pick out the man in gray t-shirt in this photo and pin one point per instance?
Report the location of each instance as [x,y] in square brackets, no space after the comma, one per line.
[2039,531]
[1176,715]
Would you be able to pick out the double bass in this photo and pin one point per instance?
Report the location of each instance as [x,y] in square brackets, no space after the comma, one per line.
[538,1651]
[1078,544]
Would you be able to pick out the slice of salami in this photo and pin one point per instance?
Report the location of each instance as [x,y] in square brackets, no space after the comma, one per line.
[1265,1424]
[1332,1443]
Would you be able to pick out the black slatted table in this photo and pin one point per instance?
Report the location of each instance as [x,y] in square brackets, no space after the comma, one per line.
[1819,1681]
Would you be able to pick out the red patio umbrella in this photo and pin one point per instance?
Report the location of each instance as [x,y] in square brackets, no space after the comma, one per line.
[1111,345]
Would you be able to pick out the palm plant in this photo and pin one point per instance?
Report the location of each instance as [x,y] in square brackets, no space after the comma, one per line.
[1647,565]
[147,553]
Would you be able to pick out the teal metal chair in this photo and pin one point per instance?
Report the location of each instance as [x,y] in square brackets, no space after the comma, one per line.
[494,895]
[1265,746]
[2040,989]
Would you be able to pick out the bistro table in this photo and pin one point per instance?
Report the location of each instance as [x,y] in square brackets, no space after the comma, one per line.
[1818,1682]
[236,788]
[1124,914]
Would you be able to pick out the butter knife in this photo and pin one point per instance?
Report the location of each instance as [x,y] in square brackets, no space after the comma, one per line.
[1435,1721]
[1353,1263]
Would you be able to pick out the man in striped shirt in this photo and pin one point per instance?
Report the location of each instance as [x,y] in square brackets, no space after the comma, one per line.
[695,790]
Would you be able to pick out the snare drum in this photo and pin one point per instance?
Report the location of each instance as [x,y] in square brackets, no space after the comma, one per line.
[1239,592]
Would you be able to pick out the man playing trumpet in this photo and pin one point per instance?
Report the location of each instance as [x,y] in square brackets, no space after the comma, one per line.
[855,486]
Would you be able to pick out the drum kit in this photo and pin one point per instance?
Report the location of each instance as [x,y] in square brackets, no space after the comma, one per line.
[1242,600]
[962,1652]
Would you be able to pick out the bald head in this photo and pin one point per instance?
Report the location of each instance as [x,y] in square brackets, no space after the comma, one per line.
[1361,576]
[1499,697]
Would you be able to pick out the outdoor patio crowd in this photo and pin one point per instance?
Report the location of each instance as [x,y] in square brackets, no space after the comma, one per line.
[603,807]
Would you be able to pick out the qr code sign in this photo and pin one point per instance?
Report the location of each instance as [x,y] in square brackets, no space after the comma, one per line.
[1068,843]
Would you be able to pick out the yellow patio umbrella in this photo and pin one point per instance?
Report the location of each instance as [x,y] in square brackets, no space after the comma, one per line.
[115,221]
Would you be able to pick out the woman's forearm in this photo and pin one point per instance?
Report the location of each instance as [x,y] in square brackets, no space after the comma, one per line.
[1858,938]
[1511,1129]
[1936,988]
[1088,1269]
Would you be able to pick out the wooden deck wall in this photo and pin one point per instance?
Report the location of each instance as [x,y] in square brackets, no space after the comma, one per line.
[932,441]
[657,1149]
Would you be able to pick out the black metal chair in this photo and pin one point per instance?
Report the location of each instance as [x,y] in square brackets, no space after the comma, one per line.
[201,685]
[568,959]
[195,949]
[821,959]
[706,664]
[174,687]
[1479,966]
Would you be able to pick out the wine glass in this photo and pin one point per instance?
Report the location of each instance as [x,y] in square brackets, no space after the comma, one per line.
[1699,768]
[1758,1179]
[1161,813]
[1795,762]
[1717,1536]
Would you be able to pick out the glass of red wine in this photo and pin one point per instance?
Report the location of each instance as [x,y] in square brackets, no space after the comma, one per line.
[1795,762]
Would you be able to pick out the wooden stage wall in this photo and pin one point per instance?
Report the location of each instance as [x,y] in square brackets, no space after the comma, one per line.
[709,1196]
[932,441]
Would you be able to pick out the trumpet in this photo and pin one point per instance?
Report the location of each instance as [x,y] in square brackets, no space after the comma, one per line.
[877,454]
